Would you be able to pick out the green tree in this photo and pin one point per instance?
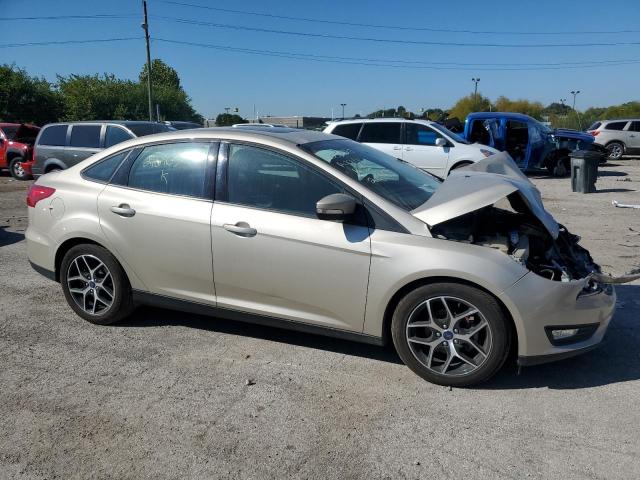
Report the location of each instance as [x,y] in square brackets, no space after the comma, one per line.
[228,119]
[468,104]
[161,75]
[27,99]
[533,109]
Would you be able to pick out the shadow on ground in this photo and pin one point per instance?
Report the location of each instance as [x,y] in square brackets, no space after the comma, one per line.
[616,360]
[9,238]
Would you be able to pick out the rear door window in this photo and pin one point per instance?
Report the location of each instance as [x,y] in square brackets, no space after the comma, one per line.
[85,136]
[178,169]
[115,135]
[381,132]
[55,136]
[615,126]
[348,130]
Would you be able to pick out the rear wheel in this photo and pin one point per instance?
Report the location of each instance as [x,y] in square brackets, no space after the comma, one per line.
[451,334]
[560,167]
[95,285]
[615,150]
[15,167]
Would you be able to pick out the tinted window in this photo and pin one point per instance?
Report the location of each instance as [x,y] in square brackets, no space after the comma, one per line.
[348,130]
[55,135]
[142,129]
[175,168]
[420,135]
[264,179]
[594,126]
[10,132]
[87,136]
[115,135]
[635,127]
[104,169]
[615,126]
[380,133]
[396,181]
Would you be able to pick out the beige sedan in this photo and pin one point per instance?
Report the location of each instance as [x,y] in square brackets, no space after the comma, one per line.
[321,234]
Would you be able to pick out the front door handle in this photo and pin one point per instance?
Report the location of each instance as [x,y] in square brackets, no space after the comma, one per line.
[397,148]
[408,149]
[241,229]
[123,210]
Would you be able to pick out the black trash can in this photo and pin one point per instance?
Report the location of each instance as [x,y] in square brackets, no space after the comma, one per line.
[584,170]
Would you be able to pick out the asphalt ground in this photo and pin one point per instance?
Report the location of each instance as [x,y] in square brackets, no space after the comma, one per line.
[165,394]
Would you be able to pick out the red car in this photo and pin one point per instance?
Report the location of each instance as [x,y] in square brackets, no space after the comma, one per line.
[16,148]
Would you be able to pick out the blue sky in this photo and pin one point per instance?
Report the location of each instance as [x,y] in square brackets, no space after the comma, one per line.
[283,86]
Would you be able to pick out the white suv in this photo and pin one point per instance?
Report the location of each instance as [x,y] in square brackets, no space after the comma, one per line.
[427,145]
[619,137]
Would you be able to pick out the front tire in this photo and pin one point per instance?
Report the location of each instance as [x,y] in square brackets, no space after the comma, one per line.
[616,150]
[451,334]
[17,172]
[95,285]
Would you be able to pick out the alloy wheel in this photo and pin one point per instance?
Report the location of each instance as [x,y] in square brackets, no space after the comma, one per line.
[90,284]
[449,336]
[615,151]
[18,171]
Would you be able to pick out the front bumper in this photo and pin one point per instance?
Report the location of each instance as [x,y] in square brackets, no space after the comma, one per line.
[536,302]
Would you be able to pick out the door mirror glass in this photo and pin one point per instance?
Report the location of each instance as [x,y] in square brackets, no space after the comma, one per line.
[441,142]
[337,206]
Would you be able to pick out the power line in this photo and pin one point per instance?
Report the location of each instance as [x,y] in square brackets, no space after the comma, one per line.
[402,63]
[70,17]
[388,40]
[393,27]
[66,42]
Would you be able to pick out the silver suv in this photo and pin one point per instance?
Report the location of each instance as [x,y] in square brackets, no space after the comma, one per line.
[619,137]
[321,234]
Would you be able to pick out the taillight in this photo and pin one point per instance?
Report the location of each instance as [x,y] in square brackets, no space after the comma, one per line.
[37,193]
[594,132]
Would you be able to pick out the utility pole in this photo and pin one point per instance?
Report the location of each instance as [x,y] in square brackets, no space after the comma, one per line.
[574,93]
[475,92]
[145,27]
[343,105]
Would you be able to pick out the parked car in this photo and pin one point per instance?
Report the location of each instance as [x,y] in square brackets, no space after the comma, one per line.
[619,137]
[62,145]
[16,147]
[532,145]
[427,145]
[324,235]
[178,125]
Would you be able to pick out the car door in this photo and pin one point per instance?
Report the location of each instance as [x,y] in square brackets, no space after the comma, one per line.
[383,136]
[83,142]
[634,135]
[155,214]
[420,149]
[272,255]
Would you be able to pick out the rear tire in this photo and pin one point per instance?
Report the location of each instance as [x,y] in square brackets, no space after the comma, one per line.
[616,150]
[560,168]
[16,169]
[461,341]
[95,285]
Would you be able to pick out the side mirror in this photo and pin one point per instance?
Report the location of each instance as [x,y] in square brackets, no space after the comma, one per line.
[441,142]
[337,206]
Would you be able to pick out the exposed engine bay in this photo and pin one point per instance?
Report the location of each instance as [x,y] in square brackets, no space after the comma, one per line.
[519,234]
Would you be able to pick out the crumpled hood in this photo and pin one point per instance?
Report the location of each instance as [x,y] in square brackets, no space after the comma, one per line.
[574,134]
[482,184]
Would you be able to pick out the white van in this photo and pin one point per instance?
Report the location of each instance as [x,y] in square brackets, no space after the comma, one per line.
[427,145]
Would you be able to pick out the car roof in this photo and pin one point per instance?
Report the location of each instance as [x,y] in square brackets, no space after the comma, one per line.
[619,120]
[113,122]
[382,119]
[9,124]
[510,115]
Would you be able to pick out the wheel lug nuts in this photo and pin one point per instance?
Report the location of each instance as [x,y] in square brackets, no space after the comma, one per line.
[445,327]
[438,334]
[445,344]
[455,330]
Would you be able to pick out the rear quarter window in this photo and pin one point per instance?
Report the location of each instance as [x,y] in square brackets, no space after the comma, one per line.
[55,136]
[615,126]
[347,130]
[382,132]
[104,169]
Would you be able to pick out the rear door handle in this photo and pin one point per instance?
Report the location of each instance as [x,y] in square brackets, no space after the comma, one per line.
[397,148]
[408,149]
[241,229]
[123,210]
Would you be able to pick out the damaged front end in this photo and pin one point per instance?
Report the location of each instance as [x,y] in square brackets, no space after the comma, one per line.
[492,204]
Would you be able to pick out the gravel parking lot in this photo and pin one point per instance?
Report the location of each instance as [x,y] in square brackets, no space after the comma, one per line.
[165,395]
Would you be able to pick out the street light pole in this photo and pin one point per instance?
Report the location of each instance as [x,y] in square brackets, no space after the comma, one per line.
[145,27]
[343,105]
[574,93]
[475,91]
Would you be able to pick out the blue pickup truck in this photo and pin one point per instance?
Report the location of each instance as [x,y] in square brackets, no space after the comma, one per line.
[531,144]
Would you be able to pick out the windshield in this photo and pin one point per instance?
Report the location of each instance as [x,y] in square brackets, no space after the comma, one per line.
[396,181]
[543,128]
[10,132]
[456,138]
